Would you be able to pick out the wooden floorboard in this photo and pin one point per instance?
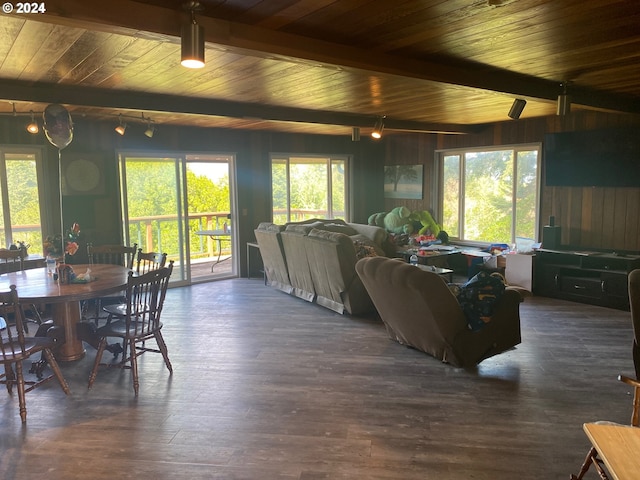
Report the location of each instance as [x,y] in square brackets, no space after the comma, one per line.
[268,386]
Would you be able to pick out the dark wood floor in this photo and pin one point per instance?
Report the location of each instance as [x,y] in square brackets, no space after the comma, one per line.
[267,386]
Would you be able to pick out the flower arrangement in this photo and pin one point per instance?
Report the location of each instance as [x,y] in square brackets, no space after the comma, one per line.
[53,244]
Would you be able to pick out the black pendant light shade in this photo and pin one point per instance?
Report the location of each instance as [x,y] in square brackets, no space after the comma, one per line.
[192,45]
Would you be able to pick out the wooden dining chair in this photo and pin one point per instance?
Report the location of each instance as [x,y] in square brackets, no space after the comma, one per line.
[592,457]
[16,347]
[110,255]
[15,263]
[141,323]
[145,262]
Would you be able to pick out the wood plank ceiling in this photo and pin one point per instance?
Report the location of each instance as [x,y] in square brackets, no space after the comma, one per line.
[323,66]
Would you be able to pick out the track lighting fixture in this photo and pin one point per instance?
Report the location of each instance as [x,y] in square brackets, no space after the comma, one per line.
[192,39]
[517,108]
[150,130]
[32,127]
[378,127]
[121,126]
[564,101]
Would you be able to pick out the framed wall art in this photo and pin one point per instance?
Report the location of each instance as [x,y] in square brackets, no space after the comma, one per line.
[403,181]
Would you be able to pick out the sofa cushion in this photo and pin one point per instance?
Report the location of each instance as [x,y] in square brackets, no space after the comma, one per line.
[299,228]
[338,228]
[378,234]
[270,227]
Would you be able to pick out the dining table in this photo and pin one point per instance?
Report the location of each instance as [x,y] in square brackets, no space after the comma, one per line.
[37,286]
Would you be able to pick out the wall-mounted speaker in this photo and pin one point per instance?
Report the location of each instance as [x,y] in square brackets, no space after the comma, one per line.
[517,108]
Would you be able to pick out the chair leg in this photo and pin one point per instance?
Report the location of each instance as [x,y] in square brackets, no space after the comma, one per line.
[56,370]
[164,350]
[591,458]
[101,346]
[134,366]
[21,393]
[9,377]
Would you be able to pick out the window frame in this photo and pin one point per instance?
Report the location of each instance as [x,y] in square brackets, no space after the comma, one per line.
[462,153]
[45,225]
[346,159]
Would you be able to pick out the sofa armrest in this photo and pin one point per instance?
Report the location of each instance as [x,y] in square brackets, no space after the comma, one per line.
[500,334]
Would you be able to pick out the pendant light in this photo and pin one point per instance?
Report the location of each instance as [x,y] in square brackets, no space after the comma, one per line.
[192,39]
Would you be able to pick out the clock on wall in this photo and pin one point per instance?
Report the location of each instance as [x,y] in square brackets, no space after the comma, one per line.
[82,175]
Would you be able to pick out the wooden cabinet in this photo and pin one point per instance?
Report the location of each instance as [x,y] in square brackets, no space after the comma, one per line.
[598,278]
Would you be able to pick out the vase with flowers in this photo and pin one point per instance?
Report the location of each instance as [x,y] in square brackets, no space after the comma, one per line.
[57,247]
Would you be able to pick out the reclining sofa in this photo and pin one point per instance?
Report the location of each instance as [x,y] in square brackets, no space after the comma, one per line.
[315,261]
[419,310]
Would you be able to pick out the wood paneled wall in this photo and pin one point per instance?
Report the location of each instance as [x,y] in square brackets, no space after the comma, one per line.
[590,217]
[99,215]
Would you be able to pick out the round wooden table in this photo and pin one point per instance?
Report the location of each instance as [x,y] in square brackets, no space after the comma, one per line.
[37,286]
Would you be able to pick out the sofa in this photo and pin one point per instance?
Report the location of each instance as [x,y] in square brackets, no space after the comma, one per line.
[419,310]
[275,265]
[315,260]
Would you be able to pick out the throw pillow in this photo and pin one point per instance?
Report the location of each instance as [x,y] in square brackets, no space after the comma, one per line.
[364,240]
[363,250]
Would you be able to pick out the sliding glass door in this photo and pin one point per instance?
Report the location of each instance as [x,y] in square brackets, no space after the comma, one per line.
[182,205]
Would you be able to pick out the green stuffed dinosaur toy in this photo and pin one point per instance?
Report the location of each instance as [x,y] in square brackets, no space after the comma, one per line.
[396,221]
[427,222]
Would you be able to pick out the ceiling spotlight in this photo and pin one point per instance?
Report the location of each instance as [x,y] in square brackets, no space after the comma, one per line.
[121,126]
[150,130]
[32,127]
[517,108]
[378,127]
[192,39]
[564,102]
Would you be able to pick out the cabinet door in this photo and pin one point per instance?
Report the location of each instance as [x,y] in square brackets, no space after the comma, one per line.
[547,280]
[616,290]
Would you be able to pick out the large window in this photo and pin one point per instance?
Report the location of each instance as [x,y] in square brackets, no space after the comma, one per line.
[20,197]
[305,187]
[490,195]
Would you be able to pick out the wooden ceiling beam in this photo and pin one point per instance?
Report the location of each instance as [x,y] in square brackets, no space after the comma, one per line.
[40,92]
[134,18]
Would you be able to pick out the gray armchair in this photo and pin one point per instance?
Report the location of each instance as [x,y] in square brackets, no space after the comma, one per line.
[419,310]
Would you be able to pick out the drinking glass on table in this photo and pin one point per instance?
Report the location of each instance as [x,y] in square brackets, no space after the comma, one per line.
[51,264]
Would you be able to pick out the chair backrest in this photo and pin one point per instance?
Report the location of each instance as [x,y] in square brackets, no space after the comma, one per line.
[635,413]
[145,298]
[634,302]
[112,254]
[12,325]
[13,258]
[147,261]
